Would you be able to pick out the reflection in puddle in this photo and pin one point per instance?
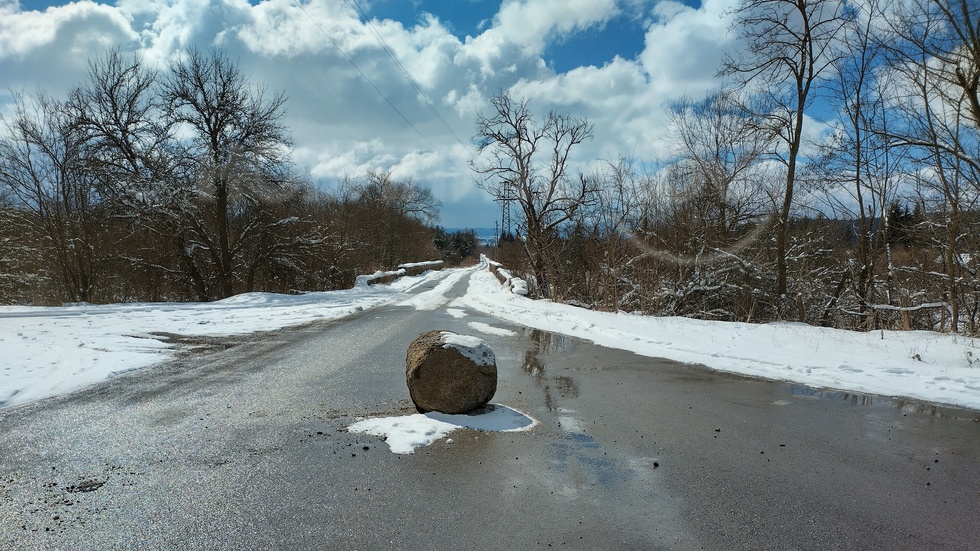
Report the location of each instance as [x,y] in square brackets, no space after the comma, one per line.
[584,439]
[578,458]
[902,405]
[559,386]
[906,406]
[854,399]
[566,386]
[546,342]
[533,365]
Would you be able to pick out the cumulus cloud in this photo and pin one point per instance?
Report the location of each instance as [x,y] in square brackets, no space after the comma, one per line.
[686,46]
[529,24]
[49,49]
[341,124]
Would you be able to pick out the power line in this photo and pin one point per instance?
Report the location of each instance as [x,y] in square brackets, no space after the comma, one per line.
[391,54]
[378,90]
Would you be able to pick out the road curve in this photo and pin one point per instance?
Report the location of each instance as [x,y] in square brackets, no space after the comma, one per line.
[245,447]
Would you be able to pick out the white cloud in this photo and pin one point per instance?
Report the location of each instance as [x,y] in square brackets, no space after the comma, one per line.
[342,126]
[49,49]
[522,28]
[74,27]
[530,23]
[685,47]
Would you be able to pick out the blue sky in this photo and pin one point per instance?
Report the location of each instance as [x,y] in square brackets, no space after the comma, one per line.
[622,35]
[616,62]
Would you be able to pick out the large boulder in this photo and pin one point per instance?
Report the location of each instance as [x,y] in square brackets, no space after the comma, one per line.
[450,373]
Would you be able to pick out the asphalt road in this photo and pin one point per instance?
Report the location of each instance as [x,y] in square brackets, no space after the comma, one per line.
[245,447]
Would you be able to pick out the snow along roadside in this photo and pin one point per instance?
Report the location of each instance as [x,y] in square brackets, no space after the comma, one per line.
[922,365]
[52,351]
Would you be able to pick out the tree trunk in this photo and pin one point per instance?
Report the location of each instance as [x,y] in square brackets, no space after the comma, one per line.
[224,249]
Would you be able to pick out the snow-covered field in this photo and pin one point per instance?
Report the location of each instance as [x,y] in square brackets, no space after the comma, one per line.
[50,351]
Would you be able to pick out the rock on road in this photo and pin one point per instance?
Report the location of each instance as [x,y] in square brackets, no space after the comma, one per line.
[246,448]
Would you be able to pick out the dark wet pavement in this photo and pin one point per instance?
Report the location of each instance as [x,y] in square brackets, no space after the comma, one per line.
[245,448]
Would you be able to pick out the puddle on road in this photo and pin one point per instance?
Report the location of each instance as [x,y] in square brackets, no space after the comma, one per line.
[542,342]
[578,455]
[932,410]
[584,439]
[532,364]
[555,387]
[865,400]
[545,342]
[566,386]
[835,395]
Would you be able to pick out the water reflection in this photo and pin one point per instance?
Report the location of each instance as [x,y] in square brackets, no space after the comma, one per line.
[533,365]
[542,342]
[566,386]
[854,399]
[901,404]
[546,342]
[932,410]
[558,386]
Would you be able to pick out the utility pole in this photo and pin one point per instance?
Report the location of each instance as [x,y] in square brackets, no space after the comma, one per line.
[496,241]
[505,200]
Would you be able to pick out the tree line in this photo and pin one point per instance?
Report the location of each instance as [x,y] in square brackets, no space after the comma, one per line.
[178,185]
[873,224]
[175,185]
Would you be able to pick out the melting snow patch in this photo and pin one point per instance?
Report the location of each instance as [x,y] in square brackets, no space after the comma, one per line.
[406,433]
[491,330]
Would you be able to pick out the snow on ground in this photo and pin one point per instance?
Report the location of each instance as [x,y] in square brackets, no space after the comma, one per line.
[436,297]
[407,432]
[51,351]
[921,365]
[456,313]
[489,329]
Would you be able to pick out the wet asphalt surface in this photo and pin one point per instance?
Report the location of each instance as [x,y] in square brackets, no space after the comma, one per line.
[243,446]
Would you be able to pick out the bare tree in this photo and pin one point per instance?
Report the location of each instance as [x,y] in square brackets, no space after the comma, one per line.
[389,218]
[936,52]
[598,240]
[720,142]
[40,166]
[403,197]
[858,168]
[714,194]
[526,161]
[789,48]
[238,150]
[127,147]
[125,139]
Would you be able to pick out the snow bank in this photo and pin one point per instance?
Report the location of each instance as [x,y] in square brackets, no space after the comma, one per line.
[51,351]
[516,285]
[416,268]
[921,365]
[378,277]
[490,330]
